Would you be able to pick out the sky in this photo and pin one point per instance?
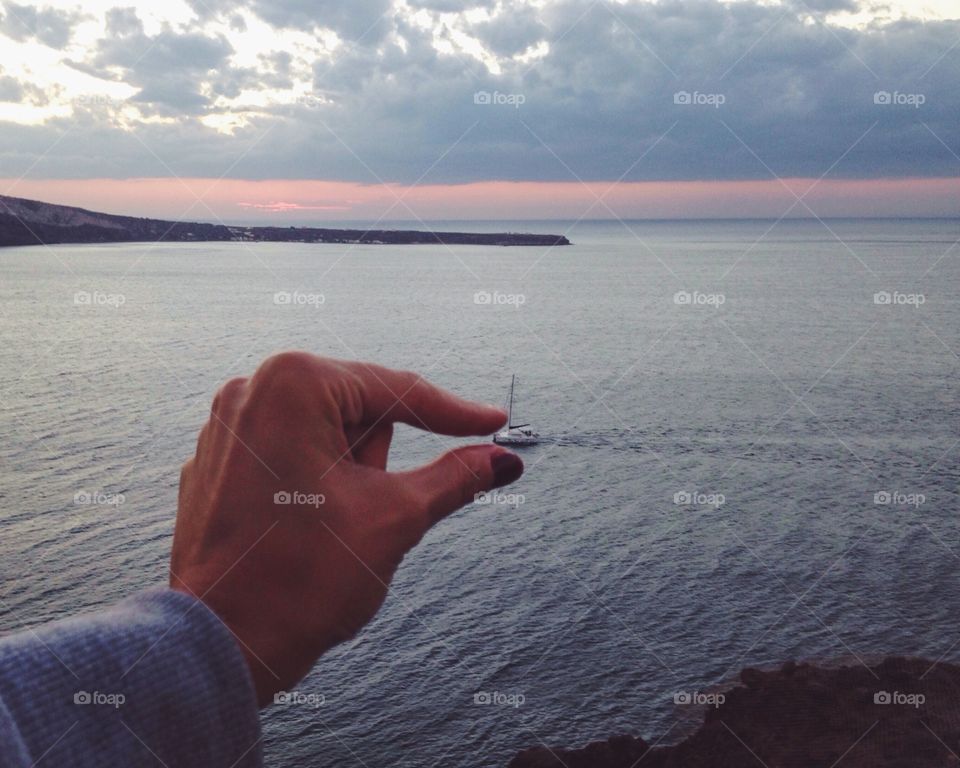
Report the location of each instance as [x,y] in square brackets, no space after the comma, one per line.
[297,110]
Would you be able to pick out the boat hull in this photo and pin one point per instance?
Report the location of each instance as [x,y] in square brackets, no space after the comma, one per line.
[504,438]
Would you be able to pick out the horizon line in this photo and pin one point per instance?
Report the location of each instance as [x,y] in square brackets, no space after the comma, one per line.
[285,202]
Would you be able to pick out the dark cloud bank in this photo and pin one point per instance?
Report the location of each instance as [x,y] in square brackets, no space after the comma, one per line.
[698,89]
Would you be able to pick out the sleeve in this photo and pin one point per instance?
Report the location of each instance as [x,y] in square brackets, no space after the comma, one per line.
[155,680]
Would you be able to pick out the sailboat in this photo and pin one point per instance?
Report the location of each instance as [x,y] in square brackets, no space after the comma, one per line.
[515,434]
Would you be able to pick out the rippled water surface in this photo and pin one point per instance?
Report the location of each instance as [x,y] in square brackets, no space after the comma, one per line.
[794,401]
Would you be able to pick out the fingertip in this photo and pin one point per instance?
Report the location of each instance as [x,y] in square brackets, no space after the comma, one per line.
[498,415]
[484,420]
[507,468]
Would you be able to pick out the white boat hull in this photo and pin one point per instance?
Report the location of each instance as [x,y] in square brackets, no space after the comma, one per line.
[512,438]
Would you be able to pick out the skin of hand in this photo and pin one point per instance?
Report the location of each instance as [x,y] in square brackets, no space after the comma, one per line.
[288,525]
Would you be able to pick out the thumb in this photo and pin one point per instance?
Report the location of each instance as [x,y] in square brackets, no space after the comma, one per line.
[455,478]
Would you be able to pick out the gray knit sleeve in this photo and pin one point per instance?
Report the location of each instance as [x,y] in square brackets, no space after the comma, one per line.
[154,680]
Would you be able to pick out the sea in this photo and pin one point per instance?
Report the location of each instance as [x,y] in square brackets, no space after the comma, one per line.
[750,454]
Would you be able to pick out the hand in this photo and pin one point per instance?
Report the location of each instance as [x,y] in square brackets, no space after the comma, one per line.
[291,580]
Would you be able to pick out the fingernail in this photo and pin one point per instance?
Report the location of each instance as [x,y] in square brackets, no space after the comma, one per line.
[506,467]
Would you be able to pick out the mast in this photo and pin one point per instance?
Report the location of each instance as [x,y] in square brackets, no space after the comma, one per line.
[510,409]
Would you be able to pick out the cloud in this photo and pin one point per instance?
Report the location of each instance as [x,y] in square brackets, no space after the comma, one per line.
[14,91]
[511,32]
[355,20]
[123,22]
[284,207]
[10,89]
[451,6]
[50,26]
[275,70]
[826,6]
[358,20]
[691,89]
[177,73]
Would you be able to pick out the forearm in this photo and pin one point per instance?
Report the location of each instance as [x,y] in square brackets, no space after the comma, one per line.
[157,679]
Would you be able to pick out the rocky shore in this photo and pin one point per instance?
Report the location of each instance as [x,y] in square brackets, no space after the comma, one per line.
[31,222]
[899,713]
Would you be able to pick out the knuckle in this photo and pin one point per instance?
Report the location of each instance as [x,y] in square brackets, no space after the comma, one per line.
[282,375]
[228,394]
[291,373]
[282,363]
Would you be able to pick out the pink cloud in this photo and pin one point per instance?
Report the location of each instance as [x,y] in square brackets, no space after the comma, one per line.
[282,207]
[305,201]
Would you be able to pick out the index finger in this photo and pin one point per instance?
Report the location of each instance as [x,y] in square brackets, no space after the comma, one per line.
[406,397]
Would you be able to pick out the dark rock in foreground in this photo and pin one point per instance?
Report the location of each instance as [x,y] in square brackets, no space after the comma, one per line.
[30,222]
[901,713]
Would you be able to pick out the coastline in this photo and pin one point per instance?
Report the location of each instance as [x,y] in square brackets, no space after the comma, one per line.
[31,222]
[895,713]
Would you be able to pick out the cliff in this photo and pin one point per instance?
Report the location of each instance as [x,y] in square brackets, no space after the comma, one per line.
[30,222]
[900,713]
